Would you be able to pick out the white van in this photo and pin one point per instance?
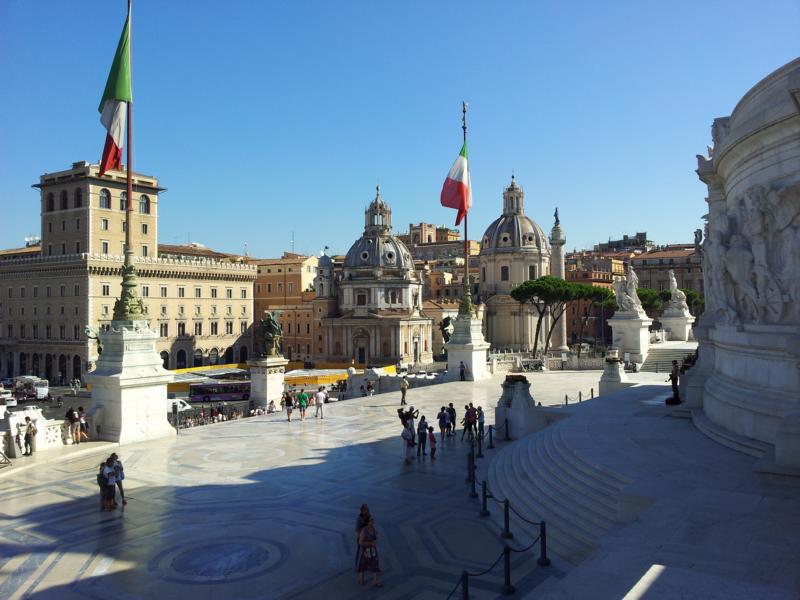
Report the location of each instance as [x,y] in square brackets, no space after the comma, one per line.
[182,405]
[32,386]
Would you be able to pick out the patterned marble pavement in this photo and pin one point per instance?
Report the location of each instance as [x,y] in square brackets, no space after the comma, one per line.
[262,508]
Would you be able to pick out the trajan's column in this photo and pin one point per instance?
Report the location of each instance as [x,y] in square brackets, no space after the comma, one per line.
[557,268]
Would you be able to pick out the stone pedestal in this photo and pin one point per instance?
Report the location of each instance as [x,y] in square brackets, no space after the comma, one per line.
[468,346]
[693,382]
[129,386]
[678,323]
[613,377]
[631,334]
[266,379]
[517,408]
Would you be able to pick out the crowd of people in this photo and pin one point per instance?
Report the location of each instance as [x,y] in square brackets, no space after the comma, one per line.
[292,399]
[422,437]
[109,478]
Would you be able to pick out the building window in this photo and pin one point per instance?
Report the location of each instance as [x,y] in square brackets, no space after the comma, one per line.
[164,329]
[214,328]
[104,247]
[181,328]
[244,292]
[49,228]
[503,273]
[77,290]
[63,226]
[77,247]
[50,204]
[198,292]
[269,288]
[214,309]
[63,200]
[36,291]
[144,250]
[144,205]
[123,201]
[531,271]
[290,287]
[63,247]
[144,228]
[198,329]
[77,224]
[163,291]
[145,291]
[280,287]
[361,299]
[78,197]
[22,292]
[228,293]
[75,332]
[228,310]
[242,327]
[104,224]
[48,331]
[213,292]
[197,311]
[106,289]
[181,292]
[49,249]
[62,291]
[163,311]
[229,328]
[105,198]
[105,310]
[289,328]
[308,327]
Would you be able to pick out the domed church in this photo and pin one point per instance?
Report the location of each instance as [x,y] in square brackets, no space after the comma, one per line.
[515,249]
[372,310]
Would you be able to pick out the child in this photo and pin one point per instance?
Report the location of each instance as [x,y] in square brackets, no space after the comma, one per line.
[432,442]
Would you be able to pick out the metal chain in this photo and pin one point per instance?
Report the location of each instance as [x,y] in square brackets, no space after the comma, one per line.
[527,548]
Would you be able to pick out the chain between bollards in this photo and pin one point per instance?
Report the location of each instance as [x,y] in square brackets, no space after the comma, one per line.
[491,443]
[507,588]
[543,560]
[506,533]
[484,501]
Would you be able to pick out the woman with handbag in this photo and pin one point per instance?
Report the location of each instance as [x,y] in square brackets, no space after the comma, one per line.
[368,561]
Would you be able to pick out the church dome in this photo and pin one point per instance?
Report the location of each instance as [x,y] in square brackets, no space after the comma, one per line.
[513,231]
[377,248]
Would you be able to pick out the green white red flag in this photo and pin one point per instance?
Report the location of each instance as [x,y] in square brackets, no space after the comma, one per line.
[114,104]
[457,188]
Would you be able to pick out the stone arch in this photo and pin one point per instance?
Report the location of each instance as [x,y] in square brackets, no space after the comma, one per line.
[35,364]
[197,358]
[48,368]
[213,356]
[76,367]
[180,359]
[23,363]
[62,366]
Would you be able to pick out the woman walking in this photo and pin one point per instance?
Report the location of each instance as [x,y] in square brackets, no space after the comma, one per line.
[368,561]
[119,475]
[361,522]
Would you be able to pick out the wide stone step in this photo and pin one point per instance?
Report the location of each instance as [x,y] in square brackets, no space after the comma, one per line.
[613,481]
[580,470]
[561,476]
[547,499]
[728,438]
[562,538]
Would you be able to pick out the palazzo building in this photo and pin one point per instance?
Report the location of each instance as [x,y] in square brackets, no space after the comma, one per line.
[514,249]
[371,311]
[200,301]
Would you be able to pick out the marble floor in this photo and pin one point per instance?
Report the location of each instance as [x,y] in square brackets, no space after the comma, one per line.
[262,508]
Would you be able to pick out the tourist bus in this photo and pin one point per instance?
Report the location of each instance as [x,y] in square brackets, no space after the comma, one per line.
[219,391]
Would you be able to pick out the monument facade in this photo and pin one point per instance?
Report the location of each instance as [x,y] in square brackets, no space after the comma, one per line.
[748,373]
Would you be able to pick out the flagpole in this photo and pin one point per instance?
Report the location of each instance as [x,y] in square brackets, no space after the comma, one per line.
[466,306]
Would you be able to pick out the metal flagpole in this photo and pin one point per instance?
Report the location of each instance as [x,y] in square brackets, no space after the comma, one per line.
[466,302]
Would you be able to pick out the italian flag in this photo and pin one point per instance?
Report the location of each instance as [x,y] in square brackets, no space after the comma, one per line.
[457,189]
[114,105]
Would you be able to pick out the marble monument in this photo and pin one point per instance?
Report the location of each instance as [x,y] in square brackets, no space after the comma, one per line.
[676,318]
[630,324]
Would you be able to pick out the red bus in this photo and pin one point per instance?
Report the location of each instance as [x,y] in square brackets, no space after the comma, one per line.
[219,391]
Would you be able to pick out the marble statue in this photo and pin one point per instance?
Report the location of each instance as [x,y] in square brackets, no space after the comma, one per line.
[446,327]
[626,295]
[273,332]
[677,300]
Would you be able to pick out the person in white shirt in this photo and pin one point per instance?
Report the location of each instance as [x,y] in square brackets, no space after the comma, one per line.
[319,400]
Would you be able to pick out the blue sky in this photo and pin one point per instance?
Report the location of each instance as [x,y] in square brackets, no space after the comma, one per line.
[268,118]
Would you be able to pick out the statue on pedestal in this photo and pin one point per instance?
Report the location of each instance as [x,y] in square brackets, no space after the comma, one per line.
[625,292]
[272,332]
[677,300]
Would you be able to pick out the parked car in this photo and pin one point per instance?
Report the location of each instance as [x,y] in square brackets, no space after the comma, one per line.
[7,398]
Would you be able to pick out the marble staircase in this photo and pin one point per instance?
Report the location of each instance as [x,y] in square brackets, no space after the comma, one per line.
[659,359]
[545,478]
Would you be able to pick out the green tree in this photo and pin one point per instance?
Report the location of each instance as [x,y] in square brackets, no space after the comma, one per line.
[650,299]
[547,293]
[597,297]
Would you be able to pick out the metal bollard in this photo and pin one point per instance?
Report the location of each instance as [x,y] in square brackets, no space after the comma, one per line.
[566,399]
[506,533]
[464,585]
[543,560]
[469,468]
[484,501]
[592,392]
[508,437]
[472,492]
[580,396]
[491,443]
[480,446]
[507,588]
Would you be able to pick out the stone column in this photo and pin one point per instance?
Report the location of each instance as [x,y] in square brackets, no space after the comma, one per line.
[557,269]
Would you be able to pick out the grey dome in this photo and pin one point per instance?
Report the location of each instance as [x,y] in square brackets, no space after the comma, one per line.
[513,232]
[378,251]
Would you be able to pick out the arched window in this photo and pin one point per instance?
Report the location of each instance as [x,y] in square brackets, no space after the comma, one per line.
[197,359]
[50,203]
[64,200]
[213,357]
[78,197]
[105,198]
[503,273]
[180,363]
[430,239]
[76,367]
[144,205]
[123,201]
